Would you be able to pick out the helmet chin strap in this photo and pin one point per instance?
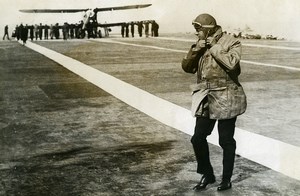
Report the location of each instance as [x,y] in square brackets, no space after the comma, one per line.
[205,35]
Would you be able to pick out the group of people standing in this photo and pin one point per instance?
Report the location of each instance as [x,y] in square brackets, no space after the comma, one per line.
[141,25]
[21,32]
[45,31]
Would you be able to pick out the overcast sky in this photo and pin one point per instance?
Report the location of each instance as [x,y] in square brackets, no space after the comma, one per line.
[278,17]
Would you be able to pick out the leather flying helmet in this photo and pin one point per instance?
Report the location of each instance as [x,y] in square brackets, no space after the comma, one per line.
[204,21]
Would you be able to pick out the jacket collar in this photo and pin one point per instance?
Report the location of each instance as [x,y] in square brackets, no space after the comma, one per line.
[218,34]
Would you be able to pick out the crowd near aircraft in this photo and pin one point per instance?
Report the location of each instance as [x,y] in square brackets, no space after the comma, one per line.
[90,15]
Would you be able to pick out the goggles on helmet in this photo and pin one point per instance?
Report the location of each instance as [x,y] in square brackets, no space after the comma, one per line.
[198,26]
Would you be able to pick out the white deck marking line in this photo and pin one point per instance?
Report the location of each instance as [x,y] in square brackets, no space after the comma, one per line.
[182,51]
[137,45]
[271,65]
[251,45]
[279,156]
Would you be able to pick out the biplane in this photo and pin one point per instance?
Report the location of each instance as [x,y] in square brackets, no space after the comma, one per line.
[89,15]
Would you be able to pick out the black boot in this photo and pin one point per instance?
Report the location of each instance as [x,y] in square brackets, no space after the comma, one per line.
[224,185]
[205,180]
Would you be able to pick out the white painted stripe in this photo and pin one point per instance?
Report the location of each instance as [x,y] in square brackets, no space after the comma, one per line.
[251,45]
[279,156]
[271,65]
[138,45]
[272,47]
[183,51]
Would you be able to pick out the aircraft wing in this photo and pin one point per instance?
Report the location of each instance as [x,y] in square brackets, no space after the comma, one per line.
[111,24]
[122,7]
[52,10]
[80,10]
[120,23]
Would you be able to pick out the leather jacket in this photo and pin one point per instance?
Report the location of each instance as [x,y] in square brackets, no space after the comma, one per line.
[218,68]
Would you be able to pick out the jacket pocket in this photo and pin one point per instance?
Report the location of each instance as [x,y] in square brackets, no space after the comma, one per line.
[237,99]
[218,103]
[197,98]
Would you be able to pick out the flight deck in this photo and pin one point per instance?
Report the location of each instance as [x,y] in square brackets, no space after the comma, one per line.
[111,117]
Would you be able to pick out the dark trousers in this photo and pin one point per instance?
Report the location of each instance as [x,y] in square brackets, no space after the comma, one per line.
[203,128]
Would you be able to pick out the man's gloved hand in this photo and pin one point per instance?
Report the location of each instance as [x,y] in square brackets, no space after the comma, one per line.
[200,44]
[210,42]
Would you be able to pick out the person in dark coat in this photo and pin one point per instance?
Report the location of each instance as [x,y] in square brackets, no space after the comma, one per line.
[89,29]
[127,30]
[132,29]
[31,34]
[24,33]
[76,27]
[65,29]
[154,29]
[147,29]
[46,30]
[17,32]
[40,31]
[95,29]
[6,32]
[140,28]
[56,31]
[123,30]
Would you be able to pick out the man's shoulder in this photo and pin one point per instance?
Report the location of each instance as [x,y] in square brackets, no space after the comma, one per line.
[229,39]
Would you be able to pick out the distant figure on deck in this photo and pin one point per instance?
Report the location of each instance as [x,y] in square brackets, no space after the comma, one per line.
[140,28]
[76,27]
[36,31]
[71,31]
[46,30]
[154,28]
[127,30]
[123,30]
[147,29]
[17,32]
[23,33]
[6,32]
[65,29]
[89,29]
[95,29]
[40,31]
[51,32]
[132,29]
[31,34]
[56,31]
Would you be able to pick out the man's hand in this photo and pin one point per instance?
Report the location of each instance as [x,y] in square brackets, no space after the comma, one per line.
[210,42]
[199,45]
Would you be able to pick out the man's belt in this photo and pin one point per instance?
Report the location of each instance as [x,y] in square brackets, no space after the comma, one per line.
[214,83]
